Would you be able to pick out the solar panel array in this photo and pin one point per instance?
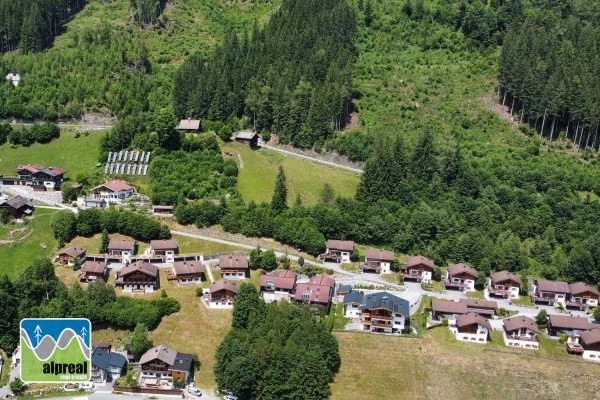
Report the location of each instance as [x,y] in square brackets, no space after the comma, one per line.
[127,162]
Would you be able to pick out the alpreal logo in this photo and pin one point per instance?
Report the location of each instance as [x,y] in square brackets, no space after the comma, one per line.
[55,350]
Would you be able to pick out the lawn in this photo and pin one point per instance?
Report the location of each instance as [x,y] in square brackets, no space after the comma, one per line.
[256,179]
[27,242]
[74,155]
[192,245]
[477,294]
[523,301]
[340,321]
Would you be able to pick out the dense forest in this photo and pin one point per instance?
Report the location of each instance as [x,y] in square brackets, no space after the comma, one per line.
[293,78]
[275,351]
[38,293]
[550,72]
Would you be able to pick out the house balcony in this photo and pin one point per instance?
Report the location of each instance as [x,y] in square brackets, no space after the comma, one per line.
[331,257]
[498,292]
[381,317]
[577,304]
[524,338]
[371,267]
[543,299]
[451,284]
[408,275]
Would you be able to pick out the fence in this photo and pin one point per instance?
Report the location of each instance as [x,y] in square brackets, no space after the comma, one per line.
[126,389]
[215,256]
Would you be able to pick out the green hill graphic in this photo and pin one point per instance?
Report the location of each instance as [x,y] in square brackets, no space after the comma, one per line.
[32,369]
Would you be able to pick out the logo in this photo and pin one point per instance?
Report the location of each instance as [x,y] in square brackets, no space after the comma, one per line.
[55,350]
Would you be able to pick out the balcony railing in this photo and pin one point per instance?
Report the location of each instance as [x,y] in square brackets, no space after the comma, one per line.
[454,284]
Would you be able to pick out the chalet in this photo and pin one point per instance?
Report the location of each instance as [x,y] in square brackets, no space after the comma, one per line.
[165,249]
[17,206]
[461,277]
[378,261]
[447,309]
[521,331]
[567,324]
[504,284]
[68,255]
[188,272]
[139,276]
[338,251]
[107,366]
[418,268]
[13,78]
[161,366]
[277,285]
[342,291]
[352,301]
[582,295]
[112,192]
[234,266]
[92,271]
[590,341]
[485,308]
[222,292]
[249,138]
[550,292]
[383,312]
[188,125]
[471,327]
[162,210]
[318,292]
[123,249]
[41,178]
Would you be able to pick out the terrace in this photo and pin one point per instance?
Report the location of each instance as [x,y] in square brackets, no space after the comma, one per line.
[454,284]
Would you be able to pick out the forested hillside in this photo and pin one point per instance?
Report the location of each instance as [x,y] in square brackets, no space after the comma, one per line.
[293,78]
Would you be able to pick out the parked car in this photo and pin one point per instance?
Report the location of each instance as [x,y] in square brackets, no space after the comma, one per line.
[194,390]
[87,386]
[230,397]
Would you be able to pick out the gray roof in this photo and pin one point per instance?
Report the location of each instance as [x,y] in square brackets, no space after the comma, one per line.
[100,359]
[344,289]
[18,202]
[117,360]
[246,135]
[354,297]
[388,301]
[183,362]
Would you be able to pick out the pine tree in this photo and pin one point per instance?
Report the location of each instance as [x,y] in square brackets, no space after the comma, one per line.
[279,201]
[104,242]
[368,13]
[423,160]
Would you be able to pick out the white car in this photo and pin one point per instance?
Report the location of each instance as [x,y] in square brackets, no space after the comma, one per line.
[230,397]
[194,390]
[87,386]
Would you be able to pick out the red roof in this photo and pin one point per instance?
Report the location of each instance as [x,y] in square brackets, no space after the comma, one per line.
[503,276]
[456,269]
[233,262]
[223,284]
[187,267]
[383,255]
[343,245]
[420,260]
[590,337]
[115,186]
[323,280]
[283,279]
[52,171]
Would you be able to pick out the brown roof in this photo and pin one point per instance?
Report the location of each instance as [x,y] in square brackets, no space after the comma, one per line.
[101,345]
[52,171]
[283,279]
[383,255]
[590,337]
[520,322]
[169,244]
[72,251]
[315,293]
[187,267]
[96,267]
[146,268]
[233,262]
[420,260]
[448,306]
[223,284]
[582,287]
[189,124]
[456,269]
[18,202]
[484,304]
[322,280]
[552,286]
[472,318]
[344,245]
[569,322]
[115,244]
[502,276]
[115,186]
[162,352]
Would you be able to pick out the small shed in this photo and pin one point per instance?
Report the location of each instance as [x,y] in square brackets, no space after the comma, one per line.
[189,125]
[249,138]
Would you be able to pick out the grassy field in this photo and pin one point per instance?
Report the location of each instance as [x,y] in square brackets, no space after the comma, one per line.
[258,169]
[23,243]
[439,367]
[75,155]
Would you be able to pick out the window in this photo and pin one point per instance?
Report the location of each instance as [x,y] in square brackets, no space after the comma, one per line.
[481,339]
[305,296]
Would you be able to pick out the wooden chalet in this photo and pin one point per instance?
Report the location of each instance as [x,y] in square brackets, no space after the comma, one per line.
[111,192]
[41,178]
[92,271]
[570,326]
[139,276]
[460,277]
[318,292]
[472,327]
[223,292]
[384,312]
[504,284]
[17,207]
[521,331]
[121,249]
[486,308]
[338,251]
[582,296]
[447,309]
[378,261]
[418,268]
[188,272]
[550,292]
[278,281]
[68,255]
[161,366]
[234,266]
[188,126]
[165,249]
[249,138]
[590,341]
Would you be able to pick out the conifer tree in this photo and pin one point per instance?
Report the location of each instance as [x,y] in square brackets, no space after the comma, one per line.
[104,242]
[423,160]
[279,201]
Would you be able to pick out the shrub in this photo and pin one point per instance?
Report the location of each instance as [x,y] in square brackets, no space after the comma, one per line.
[563,338]
[445,322]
